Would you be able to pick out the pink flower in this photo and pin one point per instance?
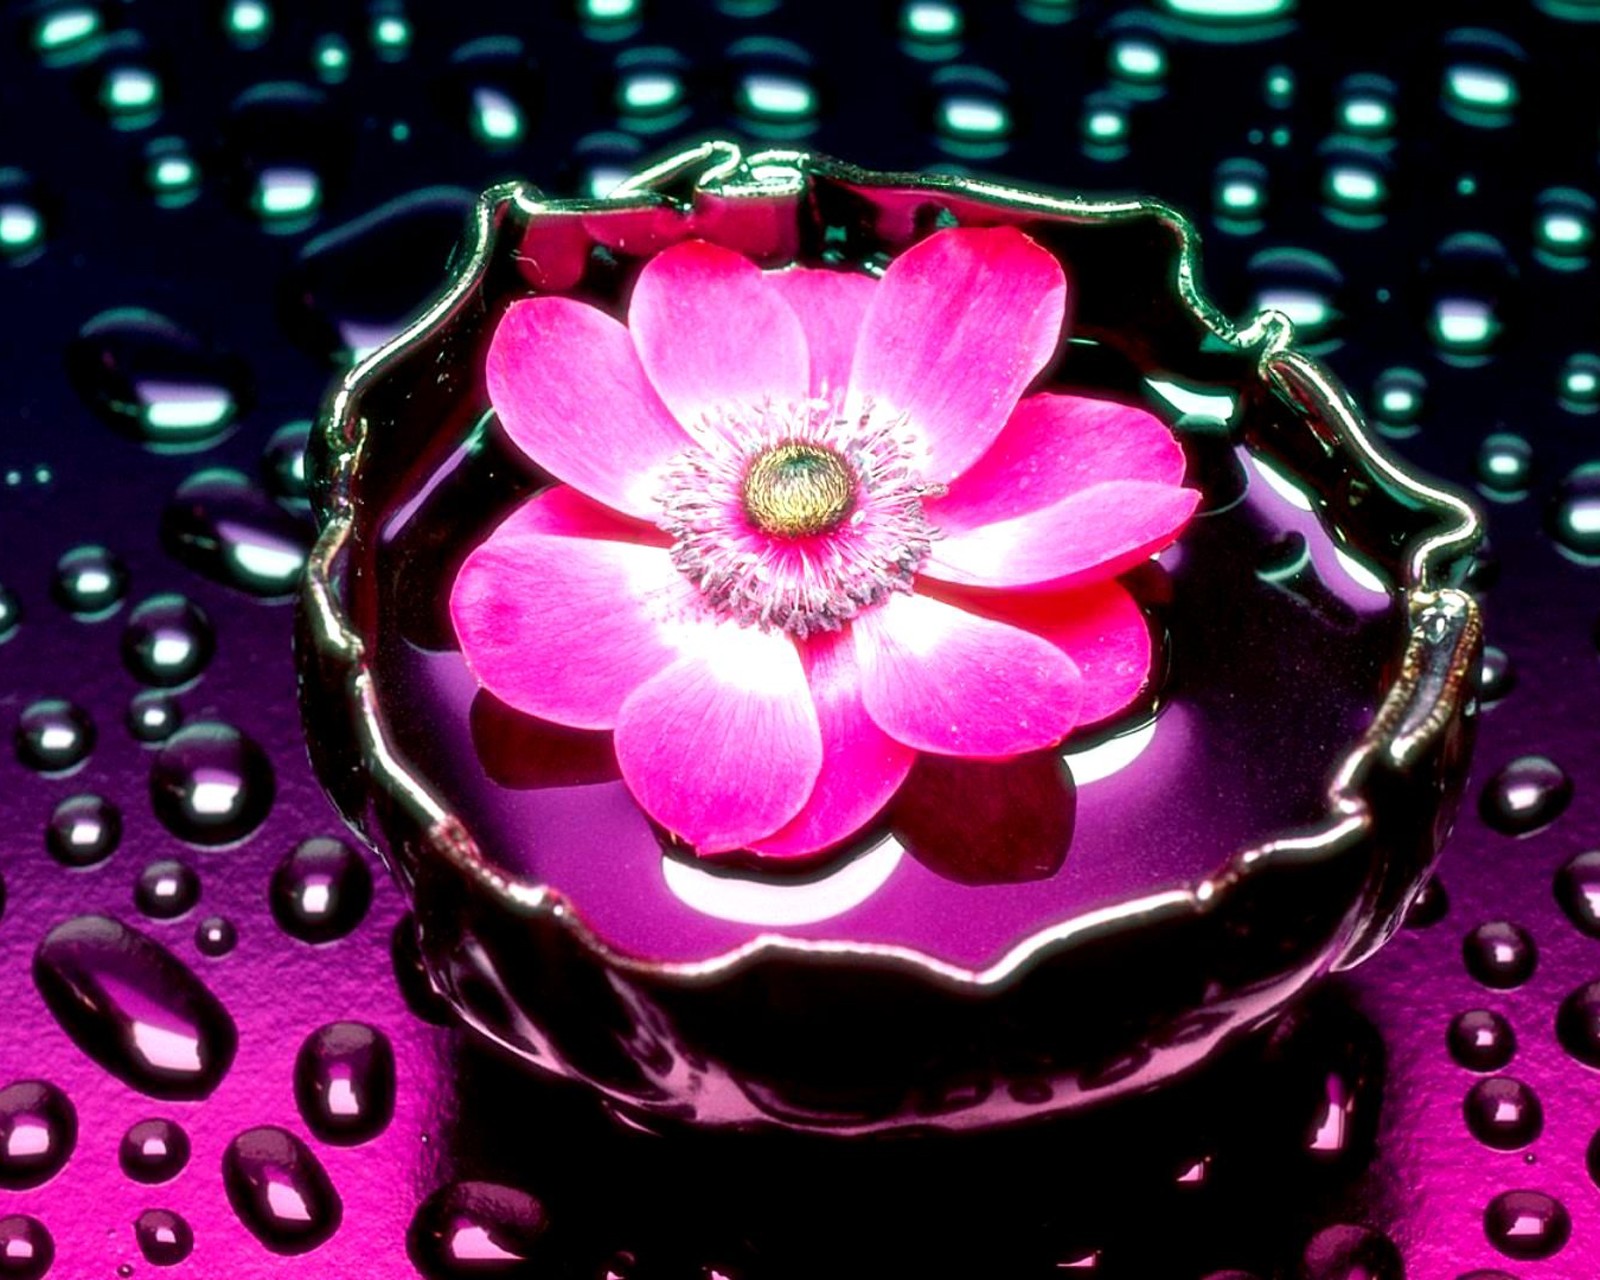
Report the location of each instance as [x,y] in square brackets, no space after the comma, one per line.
[807,526]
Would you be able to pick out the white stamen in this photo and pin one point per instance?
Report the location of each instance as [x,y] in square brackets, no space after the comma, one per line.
[798,585]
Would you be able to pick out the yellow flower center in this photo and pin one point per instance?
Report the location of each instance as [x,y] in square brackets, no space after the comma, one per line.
[798,490]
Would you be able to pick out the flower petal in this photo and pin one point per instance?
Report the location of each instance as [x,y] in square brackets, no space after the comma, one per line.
[563,511]
[1088,536]
[1099,626]
[712,333]
[862,767]
[722,747]
[1055,445]
[941,679]
[831,306]
[957,328]
[569,390]
[566,628]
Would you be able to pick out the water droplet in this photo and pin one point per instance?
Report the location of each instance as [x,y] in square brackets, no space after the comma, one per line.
[155,382]
[609,19]
[1430,906]
[1525,795]
[931,29]
[166,890]
[215,936]
[38,1130]
[1398,398]
[972,116]
[171,173]
[1503,1113]
[283,466]
[10,614]
[90,582]
[1505,465]
[1303,285]
[390,31]
[357,286]
[344,1082]
[1355,183]
[1592,1159]
[1481,78]
[330,56]
[1470,282]
[68,33]
[1497,676]
[153,1151]
[1481,1040]
[287,197]
[53,736]
[1137,56]
[130,94]
[321,890]
[26,1249]
[23,225]
[1579,385]
[650,95]
[1577,887]
[1527,1224]
[248,22]
[489,85]
[223,527]
[1277,87]
[1578,1024]
[279,1190]
[1563,228]
[603,160]
[405,953]
[1366,106]
[1575,514]
[168,641]
[1347,1252]
[1105,126]
[467,1228]
[1231,13]
[164,1238]
[83,830]
[775,95]
[153,716]
[211,785]
[1239,194]
[134,1007]
[1499,955]
[284,144]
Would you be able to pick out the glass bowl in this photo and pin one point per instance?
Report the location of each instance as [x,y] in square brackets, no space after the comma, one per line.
[1262,818]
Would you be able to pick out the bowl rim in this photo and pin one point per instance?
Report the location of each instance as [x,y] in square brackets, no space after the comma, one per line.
[1431,690]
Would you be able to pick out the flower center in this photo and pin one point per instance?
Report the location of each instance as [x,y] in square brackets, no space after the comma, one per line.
[798,490]
[796,517]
